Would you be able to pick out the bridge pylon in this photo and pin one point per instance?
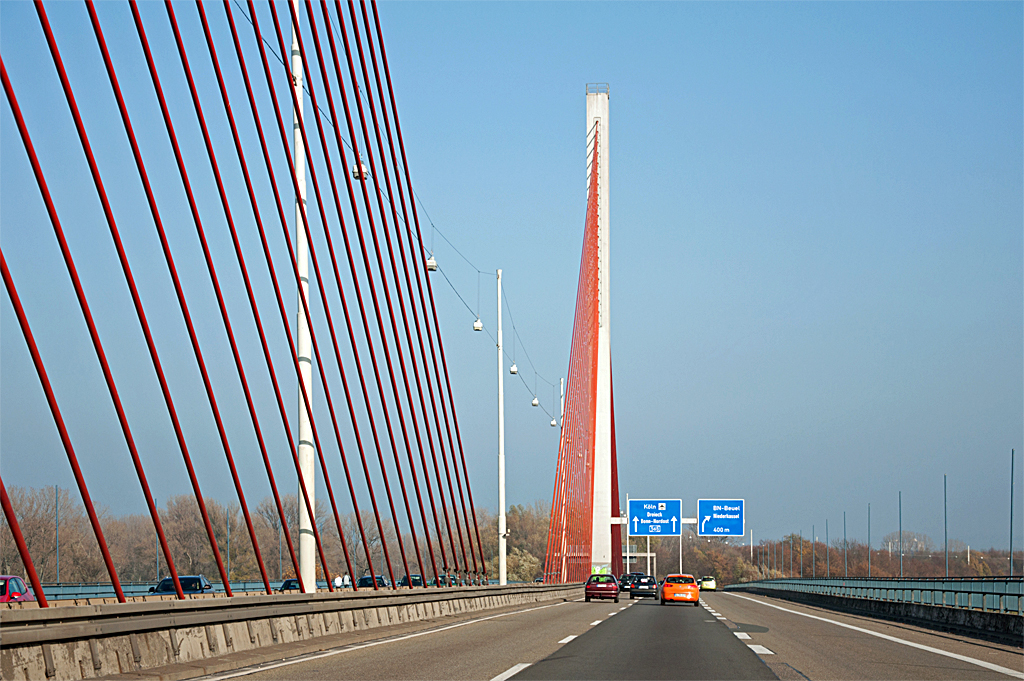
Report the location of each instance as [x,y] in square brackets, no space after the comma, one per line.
[584,535]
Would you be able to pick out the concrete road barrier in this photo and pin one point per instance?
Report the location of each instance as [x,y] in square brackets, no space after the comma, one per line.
[86,641]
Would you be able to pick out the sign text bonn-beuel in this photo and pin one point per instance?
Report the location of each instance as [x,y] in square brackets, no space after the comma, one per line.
[655,517]
[720,518]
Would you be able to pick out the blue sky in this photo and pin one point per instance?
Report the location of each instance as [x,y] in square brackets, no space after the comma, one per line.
[816,215]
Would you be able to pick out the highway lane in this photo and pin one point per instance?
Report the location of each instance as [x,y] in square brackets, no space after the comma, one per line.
[651,641]
[803,642]
[480,647]
[730,637]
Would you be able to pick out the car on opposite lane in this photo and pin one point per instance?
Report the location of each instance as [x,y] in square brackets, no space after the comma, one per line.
[708,584]
[680,588]
[601,586]
[190,584]
[366,582]
[644,585]
[13,590]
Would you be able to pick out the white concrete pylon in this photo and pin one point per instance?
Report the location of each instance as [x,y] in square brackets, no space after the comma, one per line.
[307,542]
[601,542]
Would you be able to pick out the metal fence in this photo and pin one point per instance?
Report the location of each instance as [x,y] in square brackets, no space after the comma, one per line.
[68,590]
[988,594]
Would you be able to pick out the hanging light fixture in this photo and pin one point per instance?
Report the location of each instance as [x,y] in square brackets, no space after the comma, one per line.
[431,263]
[554,423]
[535,402]
[478,325]
[513,369]
[359,170]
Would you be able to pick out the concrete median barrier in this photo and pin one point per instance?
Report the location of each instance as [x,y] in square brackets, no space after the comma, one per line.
[87,641]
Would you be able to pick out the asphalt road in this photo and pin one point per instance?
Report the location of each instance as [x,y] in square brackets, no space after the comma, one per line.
[651,641]
[730,637]
[804,642]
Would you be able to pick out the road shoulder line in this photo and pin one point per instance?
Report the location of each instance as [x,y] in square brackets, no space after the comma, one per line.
[920,646]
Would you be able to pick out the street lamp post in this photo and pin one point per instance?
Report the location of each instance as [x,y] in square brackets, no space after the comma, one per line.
[502,534]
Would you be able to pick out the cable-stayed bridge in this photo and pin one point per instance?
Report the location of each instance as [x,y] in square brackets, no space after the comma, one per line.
[257,149]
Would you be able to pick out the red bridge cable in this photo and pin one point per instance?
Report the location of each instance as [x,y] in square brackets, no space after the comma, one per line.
[259,222]
[19,539]
[305,218]
[572,504]
[394,269]
[112,75]
[108,214]
[401,360]
[349,250]
[231,228]
[433,310]
[412,466]
[197,220]
[373,233]
[414,255]
[58,419]
[293,260]
[334,263]
[87,314]
[245,276]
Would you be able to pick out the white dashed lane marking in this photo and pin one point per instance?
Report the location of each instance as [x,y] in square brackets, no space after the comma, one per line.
[760,650]
[596,622]
[740,634]
[511,671]
[567,639]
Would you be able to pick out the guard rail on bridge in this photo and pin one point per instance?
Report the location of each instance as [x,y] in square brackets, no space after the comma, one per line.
[986,607]
[988,594]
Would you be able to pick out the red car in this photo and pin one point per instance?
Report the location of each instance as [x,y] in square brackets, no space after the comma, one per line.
[601,586]
[13,590]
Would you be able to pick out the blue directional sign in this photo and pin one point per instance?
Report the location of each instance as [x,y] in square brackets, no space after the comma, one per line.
[720,518]
[655,517]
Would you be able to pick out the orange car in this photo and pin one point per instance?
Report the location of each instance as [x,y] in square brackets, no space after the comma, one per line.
[680,588]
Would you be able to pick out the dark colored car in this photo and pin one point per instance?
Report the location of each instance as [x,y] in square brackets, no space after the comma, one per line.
[417,580]
[626,580]
[444,580]
[190,584]
[366,582]
[644,586]
[290,585]
[14,590]
[601,586]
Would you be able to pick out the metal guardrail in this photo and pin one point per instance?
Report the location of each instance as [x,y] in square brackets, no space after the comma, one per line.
[65,590]
[988,594]
[82,590]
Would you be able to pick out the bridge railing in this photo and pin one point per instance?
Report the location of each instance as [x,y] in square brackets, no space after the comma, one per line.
[987,594]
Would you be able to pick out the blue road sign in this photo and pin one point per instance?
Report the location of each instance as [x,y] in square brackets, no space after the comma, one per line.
[655,517]
[720,518]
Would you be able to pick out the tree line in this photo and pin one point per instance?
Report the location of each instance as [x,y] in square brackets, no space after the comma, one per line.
[137,558]
[136,555]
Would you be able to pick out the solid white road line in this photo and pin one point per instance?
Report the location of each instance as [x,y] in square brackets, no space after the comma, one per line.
[370,644]
[963,658]
[742,635]
[567,639]
[596,622]
[511,671]
[760,650]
